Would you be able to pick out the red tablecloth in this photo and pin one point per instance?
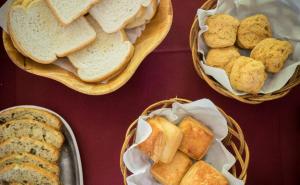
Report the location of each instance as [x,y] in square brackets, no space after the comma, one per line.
[272,129]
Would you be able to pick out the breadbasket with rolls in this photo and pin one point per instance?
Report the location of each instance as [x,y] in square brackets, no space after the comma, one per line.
[234,142]
[248,98]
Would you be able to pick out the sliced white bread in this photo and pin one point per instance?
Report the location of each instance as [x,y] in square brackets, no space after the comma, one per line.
[32,129]
[145,17]
[26,158]
[69,10]
[103,58]
[30,113]
[114,15]
[28,145]
[26,173]
[38,34]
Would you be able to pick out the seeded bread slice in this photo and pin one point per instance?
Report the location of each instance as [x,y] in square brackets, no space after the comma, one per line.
[26,144]
[30,113]
[68,10]
[114,15]
[145,17]
[25,173]
[105,57]
[38,34]
[26,158]
[32,129]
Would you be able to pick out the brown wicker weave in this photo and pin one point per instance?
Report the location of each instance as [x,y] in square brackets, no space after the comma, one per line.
[251,99]
[235,141]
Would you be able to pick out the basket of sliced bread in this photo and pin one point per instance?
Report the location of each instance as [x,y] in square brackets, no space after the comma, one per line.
[37,146]
[92,46]
[246,50]
[179,142]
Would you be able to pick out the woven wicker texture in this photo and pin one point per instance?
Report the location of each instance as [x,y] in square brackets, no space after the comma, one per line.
[250,99]
[235,140]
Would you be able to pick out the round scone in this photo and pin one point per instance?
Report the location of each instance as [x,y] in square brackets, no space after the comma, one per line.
[273,53]
[247,75]
[222,31]
[220,57]
[252,30]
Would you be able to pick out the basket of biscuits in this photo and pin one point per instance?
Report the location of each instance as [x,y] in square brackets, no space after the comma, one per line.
[246,50]
[37,146]
[180,142]
[92,46]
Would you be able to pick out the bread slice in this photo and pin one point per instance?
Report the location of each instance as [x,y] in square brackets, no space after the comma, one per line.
[145,17]
[32,129]
[30,113]
[26,144]
[114,15]
[26,158]
[25,173]
[173,138]
[40,36]
[69,10]
[106,56]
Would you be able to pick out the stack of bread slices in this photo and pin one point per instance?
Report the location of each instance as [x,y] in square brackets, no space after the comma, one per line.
[89,33]
[30,145]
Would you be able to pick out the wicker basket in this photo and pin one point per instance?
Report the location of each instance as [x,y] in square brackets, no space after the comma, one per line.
[251,99]
[235,141]
[152,36]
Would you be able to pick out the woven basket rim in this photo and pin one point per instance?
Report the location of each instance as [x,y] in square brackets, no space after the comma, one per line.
[249,99]
[235,140]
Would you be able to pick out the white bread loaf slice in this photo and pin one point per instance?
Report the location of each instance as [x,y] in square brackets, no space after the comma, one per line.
[26,173]
[40,36]
[25,144]
[26,158]
[145,17]
[69,10]
[114,15]
[32,129]
[103,58]
[30,113]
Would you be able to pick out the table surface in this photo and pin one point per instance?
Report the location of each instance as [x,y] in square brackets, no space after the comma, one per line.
[272,129]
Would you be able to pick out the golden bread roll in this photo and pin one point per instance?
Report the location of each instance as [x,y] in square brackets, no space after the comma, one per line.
[173,138]
[172,173]
[153,146]
[202,173]
[196,138]
[220,57]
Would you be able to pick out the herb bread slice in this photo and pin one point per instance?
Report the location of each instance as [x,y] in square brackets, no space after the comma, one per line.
[26,173]
[32,129]
[30,113]
[26,144]
[26,158]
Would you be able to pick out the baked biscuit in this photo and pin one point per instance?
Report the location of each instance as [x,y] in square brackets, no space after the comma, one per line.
[202,173]
[172,173]
[273,53]
[196,138]
[222,31]
[228,67]
[173,138]
[220,57]
[154,145]
[252,30]
[247,75]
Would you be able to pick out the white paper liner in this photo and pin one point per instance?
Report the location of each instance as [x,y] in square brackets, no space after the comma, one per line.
[284,18]
[205,111]
[133,34]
